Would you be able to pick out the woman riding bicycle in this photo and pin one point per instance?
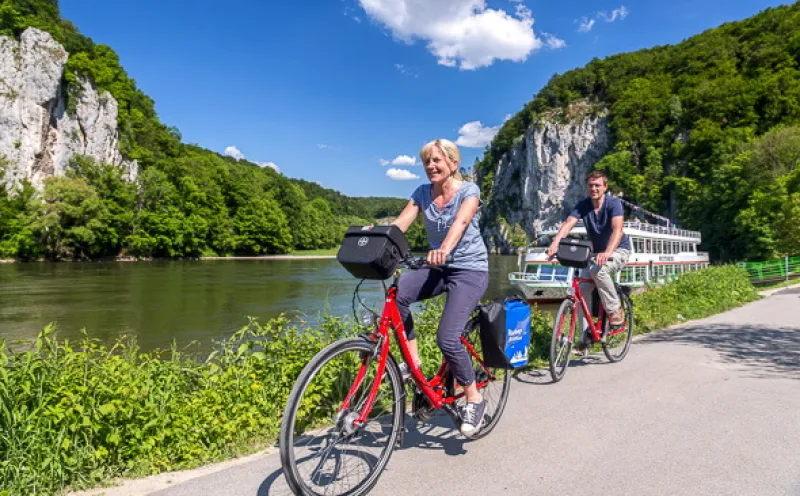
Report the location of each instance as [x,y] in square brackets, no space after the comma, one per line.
[449,205]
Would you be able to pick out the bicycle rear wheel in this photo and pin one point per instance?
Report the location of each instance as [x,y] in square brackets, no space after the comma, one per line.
[617,345]
[560,342]
[323,451]
[493,383]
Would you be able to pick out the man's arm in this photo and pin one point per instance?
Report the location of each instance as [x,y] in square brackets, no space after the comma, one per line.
[613,243]
[566,227]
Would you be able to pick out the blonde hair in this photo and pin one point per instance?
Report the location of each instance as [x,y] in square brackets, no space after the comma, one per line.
[447,147]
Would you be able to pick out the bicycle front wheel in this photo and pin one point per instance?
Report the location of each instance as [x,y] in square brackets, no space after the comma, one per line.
[324,450]
[493,383]
[560,342]
[618,343]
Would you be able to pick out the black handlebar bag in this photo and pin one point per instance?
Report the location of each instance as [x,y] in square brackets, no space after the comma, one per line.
[372,252]
[574,252]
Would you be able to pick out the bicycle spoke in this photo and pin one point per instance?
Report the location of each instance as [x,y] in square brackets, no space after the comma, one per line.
[341,456]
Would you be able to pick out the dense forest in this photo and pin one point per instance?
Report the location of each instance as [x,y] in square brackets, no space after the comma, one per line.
[705,131]
[187,201]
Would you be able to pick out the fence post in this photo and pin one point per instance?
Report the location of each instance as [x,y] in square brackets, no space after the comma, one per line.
[786,259]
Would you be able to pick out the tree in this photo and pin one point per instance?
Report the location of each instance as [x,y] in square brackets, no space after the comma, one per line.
[72,221]
[260,227]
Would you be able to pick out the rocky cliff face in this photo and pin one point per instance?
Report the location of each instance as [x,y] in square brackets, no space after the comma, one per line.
[542,177]
[38,136]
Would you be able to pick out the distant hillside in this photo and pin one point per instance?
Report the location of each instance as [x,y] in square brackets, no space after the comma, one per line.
[185,200]
[704,131]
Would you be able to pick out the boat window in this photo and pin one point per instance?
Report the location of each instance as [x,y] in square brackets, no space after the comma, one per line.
[648,246]
[561,273]
[531,268]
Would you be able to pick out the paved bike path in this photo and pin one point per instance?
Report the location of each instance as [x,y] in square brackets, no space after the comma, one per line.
[708,408]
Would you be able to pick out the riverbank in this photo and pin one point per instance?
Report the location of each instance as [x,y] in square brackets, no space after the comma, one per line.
[159,412]
[273,257]
[290,256]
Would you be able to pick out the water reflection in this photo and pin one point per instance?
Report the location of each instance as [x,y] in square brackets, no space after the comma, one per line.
[159,302]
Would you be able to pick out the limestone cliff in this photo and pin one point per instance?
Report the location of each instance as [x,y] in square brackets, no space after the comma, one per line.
[38,135]
[542,177]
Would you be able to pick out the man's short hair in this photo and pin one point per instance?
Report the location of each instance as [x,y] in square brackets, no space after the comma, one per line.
[597,175]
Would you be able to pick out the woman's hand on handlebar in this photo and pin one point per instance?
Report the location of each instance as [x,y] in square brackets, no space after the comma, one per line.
[438,257]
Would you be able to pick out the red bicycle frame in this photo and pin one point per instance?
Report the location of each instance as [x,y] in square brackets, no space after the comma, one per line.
[434,389]
[595,326]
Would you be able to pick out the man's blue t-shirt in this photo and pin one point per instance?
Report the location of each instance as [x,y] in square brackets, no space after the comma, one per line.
[598,225]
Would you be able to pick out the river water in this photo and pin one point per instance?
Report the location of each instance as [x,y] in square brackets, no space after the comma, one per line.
[158,302]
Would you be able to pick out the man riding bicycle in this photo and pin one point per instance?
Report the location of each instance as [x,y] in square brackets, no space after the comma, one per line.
[603,217]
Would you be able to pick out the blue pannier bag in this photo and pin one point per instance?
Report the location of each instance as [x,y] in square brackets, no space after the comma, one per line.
[505,331]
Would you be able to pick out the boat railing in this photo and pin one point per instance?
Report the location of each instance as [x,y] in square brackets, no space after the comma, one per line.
[654,228]
[645,227]
[527,276]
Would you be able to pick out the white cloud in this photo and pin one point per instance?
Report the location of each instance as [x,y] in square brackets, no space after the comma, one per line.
[406,70]
[271,165]
[620,13]
[400,174]
[585,24]
[553,42]
[232,151]
[384,162]
[476,135]
[463,33]
[404,160]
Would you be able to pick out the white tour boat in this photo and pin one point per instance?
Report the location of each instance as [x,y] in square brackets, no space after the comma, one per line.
[657,254]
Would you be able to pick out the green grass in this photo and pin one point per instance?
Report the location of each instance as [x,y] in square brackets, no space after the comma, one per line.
[793,279]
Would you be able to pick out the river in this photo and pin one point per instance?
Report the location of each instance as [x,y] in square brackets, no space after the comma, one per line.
[161,301]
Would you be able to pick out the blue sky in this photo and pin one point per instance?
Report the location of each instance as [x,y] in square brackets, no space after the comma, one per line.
[345,92]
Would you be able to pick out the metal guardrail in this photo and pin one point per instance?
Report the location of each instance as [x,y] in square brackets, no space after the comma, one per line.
[770,270]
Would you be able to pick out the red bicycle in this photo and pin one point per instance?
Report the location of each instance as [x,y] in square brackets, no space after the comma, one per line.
[346,412]
[615,342]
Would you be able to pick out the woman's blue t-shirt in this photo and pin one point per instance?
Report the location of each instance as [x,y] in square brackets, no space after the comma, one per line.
[470,252]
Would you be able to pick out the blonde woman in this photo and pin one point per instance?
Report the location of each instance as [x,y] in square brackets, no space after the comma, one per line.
[449,205]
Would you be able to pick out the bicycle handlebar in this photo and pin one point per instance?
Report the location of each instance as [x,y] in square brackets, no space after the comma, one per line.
[592,257]
[422,262]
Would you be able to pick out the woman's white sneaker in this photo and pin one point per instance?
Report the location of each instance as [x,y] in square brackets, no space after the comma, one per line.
[472,418]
